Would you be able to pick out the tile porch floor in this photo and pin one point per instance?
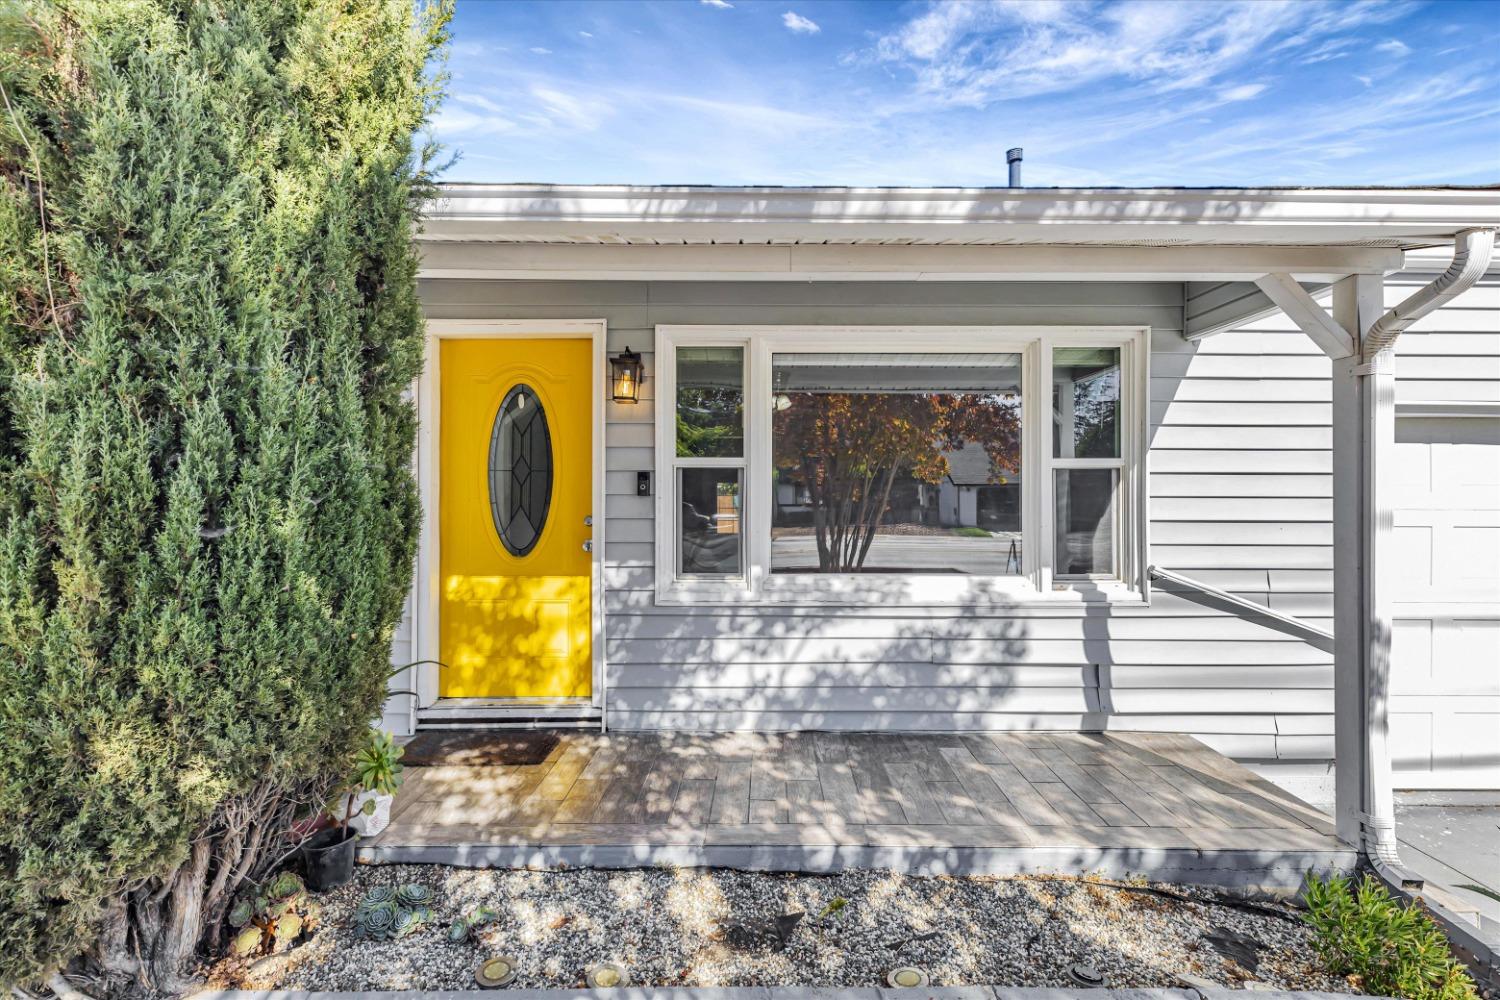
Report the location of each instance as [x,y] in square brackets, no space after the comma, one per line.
[1161,805]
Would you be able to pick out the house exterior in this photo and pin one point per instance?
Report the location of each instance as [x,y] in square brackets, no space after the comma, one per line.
[905,459]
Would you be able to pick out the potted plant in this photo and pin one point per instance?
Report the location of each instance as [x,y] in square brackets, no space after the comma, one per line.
[377,775]
[329,854]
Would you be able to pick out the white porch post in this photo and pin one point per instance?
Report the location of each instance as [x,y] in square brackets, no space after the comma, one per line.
[1364,431]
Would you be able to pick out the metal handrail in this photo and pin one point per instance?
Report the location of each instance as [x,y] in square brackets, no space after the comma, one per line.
[1259,610]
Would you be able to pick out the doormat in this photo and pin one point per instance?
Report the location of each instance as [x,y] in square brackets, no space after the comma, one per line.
[478,747]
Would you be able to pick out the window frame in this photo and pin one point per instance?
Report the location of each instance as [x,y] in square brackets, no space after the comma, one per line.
[1036,583]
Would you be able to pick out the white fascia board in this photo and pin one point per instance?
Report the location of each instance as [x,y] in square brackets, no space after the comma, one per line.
[587,262]
[1047,215]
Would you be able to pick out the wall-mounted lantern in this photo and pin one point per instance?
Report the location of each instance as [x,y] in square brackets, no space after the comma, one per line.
[625,377]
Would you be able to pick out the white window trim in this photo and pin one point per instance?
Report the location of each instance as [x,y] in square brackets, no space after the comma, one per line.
[1035,585]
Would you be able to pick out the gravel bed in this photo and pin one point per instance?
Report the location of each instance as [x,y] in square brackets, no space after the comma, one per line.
[664,926]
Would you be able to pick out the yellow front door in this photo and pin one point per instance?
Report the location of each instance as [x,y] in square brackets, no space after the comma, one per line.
[516,447]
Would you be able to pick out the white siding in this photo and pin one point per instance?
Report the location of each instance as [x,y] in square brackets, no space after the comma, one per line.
[1240,484]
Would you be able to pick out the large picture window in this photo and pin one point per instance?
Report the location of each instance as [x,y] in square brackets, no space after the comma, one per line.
[923,465]
[881,463]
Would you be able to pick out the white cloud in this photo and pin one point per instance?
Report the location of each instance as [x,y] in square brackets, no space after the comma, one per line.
[798,24]
[1366,80]
[539,50]
[1394,47]
[1244,92]
[453,120]
[586,34]
[985,50]
[583,114]
[721,4]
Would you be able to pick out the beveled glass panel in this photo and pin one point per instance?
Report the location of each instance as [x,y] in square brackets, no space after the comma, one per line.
[1086,402]
[520,470]
[710,402]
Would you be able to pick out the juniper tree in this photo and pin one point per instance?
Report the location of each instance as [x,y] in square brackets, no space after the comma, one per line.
[208,320]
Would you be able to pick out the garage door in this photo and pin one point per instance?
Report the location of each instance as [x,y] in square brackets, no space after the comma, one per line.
[1445,669]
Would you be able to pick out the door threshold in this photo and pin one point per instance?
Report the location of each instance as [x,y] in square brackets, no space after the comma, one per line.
[509,713]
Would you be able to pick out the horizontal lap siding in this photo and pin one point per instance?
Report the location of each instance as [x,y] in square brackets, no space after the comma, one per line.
[1240,480]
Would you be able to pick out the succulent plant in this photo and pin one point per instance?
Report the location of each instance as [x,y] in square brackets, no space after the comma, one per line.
[288,929]
[241,913]
[247,942]
[464,927]
[380,894]
[408,921]
[285,885]
[272,916]
[375,922]
[413,896]
[386,912]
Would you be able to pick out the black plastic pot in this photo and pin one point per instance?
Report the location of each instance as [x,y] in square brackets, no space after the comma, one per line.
[329,858]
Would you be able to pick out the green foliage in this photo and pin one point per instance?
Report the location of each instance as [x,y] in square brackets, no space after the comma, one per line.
[969,531]
[463,929]
[377,766]
[208,321]
[272,917]
[1390,948]
[386,912]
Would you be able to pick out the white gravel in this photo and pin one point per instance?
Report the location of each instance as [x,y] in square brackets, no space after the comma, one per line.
[663,926]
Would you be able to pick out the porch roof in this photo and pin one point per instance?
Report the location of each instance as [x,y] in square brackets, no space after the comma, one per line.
[625,232]
[656,215]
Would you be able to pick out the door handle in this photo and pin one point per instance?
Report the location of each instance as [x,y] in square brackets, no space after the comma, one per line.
[588,545]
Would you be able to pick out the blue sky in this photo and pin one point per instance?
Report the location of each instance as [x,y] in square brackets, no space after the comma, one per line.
[1184,92]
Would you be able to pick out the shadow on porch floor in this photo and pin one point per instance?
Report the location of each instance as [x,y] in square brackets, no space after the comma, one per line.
[1159,805]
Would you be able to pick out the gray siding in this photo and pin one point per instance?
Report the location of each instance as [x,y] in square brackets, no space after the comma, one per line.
[1240,497]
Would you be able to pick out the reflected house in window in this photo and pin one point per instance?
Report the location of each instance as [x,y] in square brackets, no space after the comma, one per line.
[977,494]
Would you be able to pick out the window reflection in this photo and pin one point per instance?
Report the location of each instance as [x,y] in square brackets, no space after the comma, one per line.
[896,463]
[710,521]
[1086,402]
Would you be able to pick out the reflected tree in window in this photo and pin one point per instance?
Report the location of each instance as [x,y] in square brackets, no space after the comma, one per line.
[850,449]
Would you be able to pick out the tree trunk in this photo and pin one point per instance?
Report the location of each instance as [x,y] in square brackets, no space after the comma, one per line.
[151,938]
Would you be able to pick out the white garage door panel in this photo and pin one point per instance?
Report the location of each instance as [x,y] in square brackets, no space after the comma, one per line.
[1445,669]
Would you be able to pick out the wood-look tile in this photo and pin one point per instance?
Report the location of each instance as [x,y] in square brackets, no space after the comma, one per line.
[1233,812]
[1022,794]
[839,790]
[695,797]
[562,774]
[916,798]
[732,794]
[1141,803]
[1075,777]
[957,806]
[1067,803]
[582,799]
[1060,790]
[1023,758]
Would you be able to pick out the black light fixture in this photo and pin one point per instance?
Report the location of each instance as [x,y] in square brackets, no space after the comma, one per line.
[625,376]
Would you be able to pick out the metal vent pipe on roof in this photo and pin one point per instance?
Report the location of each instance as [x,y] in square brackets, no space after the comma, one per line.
[1013,157]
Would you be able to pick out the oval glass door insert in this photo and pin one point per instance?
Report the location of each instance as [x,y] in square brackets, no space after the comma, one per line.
[520,470]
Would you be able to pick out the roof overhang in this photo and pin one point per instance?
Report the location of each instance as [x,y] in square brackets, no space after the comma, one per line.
[773,233]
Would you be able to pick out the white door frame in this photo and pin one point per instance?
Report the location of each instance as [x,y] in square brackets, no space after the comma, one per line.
[426,591]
